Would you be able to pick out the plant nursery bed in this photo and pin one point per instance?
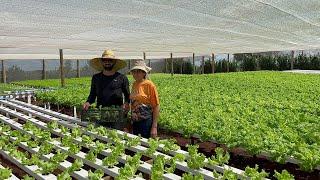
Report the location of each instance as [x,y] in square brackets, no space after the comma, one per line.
[239,157]
[15,169]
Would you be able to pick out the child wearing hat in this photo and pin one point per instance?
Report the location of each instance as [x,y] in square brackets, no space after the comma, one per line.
[145,103]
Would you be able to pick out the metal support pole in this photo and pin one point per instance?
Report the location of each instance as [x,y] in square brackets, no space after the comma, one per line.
[171,64]
[74,112]
[61,68]
[213,63]
[4,74]
[29,102]
[78,68]
[29,99]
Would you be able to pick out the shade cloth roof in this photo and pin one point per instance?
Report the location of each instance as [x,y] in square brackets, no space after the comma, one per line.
[38,28]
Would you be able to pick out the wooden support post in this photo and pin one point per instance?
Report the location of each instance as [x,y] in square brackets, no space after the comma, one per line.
[193,140]
[61,68]
[144,58]
[257,62]
[194,68]
[292,60]
[44,75]
[166,65]
[171,64]
[181,66]
[4,73]
[78,68]
[213,63]
[228,63]
[202,65]
[129,64]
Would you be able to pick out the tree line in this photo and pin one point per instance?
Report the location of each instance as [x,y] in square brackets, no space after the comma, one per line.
[246,62]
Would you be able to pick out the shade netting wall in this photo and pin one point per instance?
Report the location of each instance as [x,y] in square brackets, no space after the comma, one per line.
[18,70]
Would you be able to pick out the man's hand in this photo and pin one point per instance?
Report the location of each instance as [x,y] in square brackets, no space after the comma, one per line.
[154,132]
[86,106]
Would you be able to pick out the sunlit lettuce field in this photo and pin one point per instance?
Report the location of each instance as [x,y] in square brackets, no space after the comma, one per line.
[273,112]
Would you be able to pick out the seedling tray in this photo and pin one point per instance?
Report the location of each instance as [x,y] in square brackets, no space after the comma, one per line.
[105,114]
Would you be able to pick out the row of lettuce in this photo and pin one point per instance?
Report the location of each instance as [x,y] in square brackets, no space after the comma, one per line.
[273,112]
[7,88]
[73,141]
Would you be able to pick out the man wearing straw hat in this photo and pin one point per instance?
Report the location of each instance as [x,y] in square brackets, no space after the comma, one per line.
[109,86]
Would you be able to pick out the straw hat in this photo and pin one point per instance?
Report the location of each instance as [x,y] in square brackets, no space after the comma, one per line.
[107,54]
[140,64]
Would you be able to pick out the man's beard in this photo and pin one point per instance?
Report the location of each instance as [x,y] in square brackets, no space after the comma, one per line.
[108,68]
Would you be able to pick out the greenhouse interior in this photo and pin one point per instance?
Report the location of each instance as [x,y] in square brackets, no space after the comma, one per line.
[171,89]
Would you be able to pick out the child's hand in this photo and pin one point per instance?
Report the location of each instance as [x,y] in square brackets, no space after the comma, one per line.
[134,116]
